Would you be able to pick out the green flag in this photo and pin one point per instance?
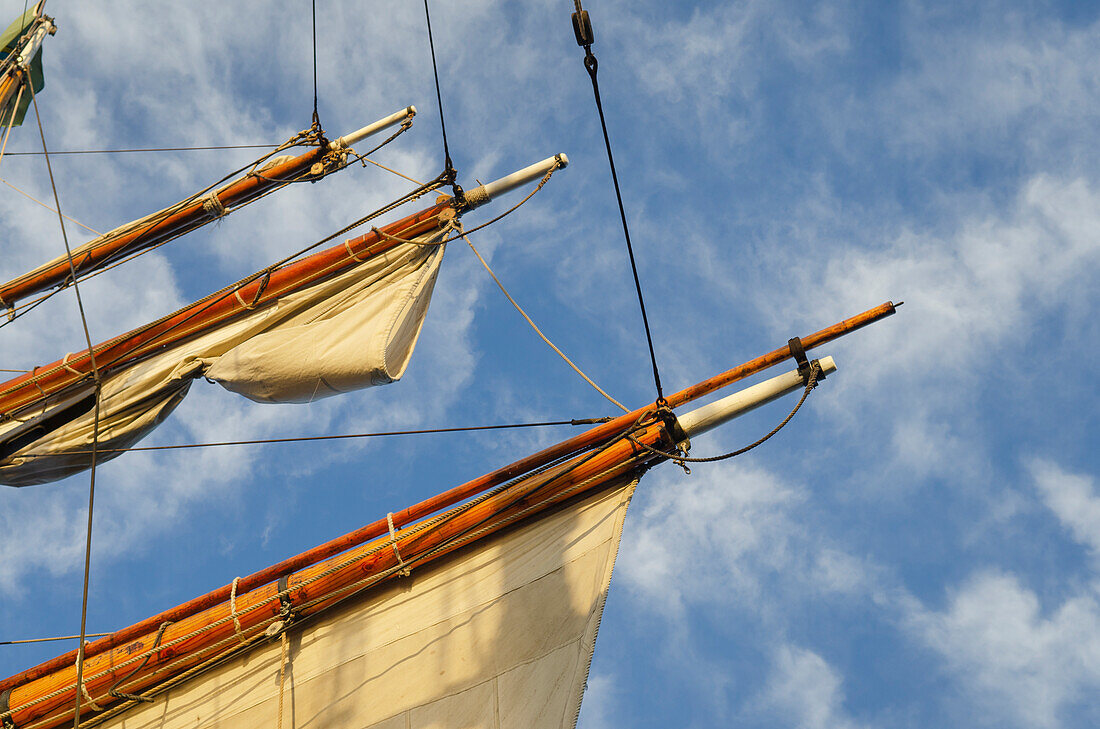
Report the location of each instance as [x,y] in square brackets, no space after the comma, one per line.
[9,42]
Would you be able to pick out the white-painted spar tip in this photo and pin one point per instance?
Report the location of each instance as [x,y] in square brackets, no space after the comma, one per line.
[484,193]
[721,411]
[359,135]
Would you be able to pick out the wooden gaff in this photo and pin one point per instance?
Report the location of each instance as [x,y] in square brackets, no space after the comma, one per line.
[126,348]
[188,217]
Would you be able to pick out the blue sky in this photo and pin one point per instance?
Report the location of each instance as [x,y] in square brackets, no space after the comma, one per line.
[921,546]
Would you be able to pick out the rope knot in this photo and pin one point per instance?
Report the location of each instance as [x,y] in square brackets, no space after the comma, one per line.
[212,206]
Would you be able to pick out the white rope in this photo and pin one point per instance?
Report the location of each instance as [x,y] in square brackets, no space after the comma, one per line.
[65,364]
[347,247]
[282,676]
[534,326]
[245,304]
[88,697]
[35,200]
[401,568]
[233,610]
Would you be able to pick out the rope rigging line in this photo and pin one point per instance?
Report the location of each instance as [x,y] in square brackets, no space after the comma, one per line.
[95,422]
[534,326]
[336,436]
[11,120]
[582,27]
[149,149]
[36,200]
[47,640]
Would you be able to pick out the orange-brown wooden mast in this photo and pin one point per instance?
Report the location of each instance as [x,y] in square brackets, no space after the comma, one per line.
[185,217]
[186,614]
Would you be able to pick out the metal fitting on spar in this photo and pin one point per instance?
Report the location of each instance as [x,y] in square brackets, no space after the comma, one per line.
[484,193]
[398,117]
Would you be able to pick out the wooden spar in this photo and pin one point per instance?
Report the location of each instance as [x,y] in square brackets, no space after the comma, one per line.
[211,311]
[180,219]
[594,436]
[325,583]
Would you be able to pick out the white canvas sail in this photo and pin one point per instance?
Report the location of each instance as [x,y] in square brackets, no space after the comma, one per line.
[354,330]
[497,636]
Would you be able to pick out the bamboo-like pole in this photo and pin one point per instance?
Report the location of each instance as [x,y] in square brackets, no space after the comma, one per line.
[324,583]
[599,434]
[179,220]
[125,349]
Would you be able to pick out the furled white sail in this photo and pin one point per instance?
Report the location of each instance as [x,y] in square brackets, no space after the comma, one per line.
[497,636]
[351,331]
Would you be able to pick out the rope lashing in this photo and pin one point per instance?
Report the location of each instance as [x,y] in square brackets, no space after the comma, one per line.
[233,610]
[212,205]
[401,568]
[65,364]
[351,253]
[88,697]
[259,292]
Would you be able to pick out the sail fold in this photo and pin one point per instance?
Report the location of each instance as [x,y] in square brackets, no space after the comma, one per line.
[353,330]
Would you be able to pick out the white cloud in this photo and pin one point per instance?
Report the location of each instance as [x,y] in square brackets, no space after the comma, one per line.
[1073,499]
[709,538]
[806,691]
[1024,665]
[598,707]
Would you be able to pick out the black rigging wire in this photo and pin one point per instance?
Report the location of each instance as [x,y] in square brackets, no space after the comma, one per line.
[150,149]
[339,436]
[583,29]
[316,116]
[95,423]
[448,166]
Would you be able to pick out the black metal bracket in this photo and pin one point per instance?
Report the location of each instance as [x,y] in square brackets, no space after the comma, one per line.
[5,698]
[285,608]
[798,351]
